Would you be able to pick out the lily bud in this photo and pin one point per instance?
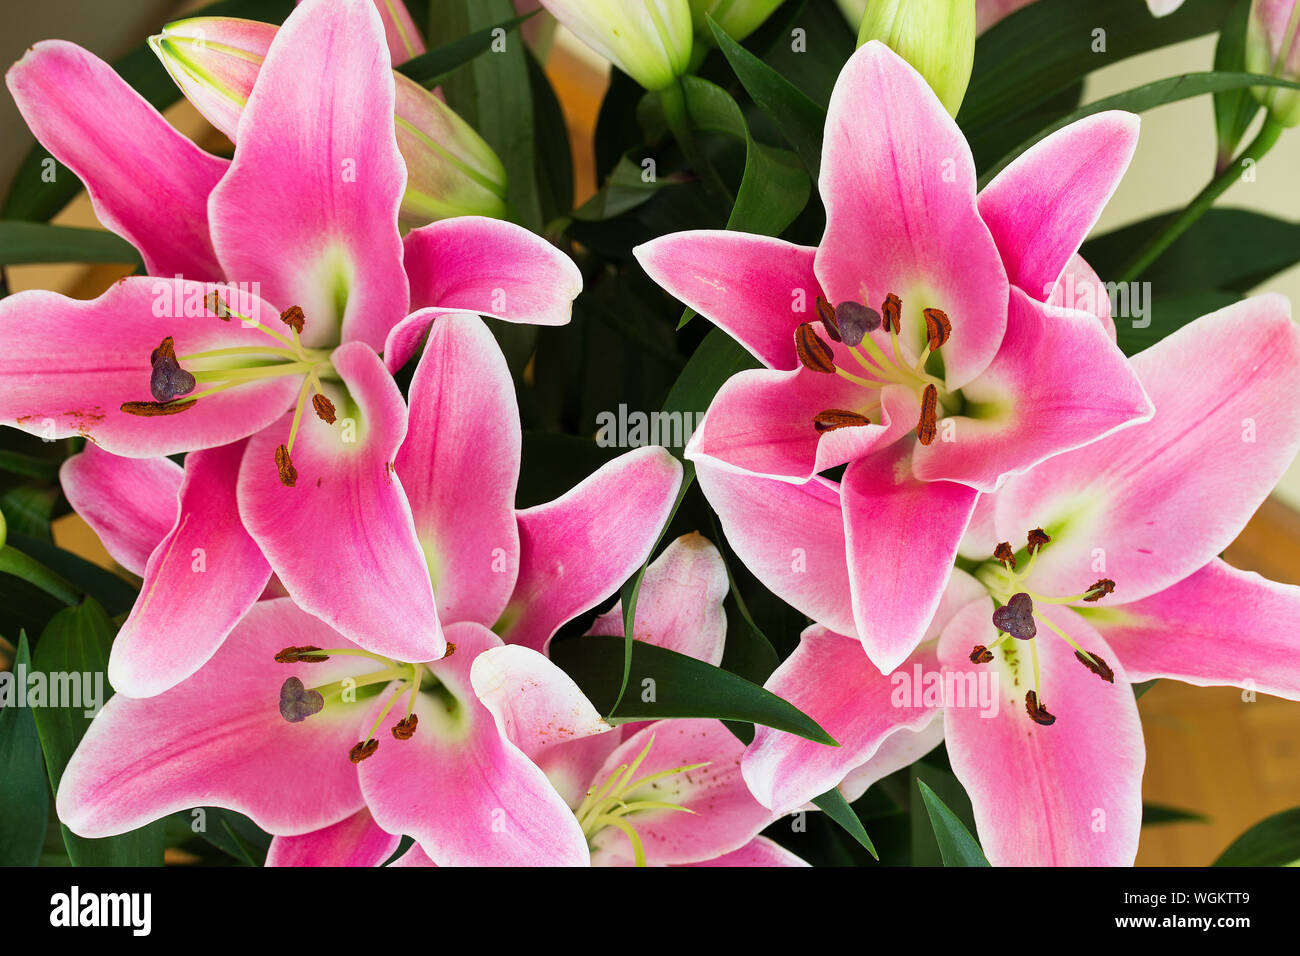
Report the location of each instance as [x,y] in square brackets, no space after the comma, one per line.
[937,39]
[649,40]
[451,171]
[1273,48]
[738,18]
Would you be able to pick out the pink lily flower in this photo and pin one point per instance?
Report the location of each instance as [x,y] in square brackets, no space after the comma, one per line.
[305,216]
[974,368]
[404,40]
[989,12]
[239,726]
[1120,582]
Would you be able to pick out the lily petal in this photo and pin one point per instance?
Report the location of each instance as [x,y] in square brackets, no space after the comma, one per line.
[126,501]
[1081,288]
[342,539]
[309,205]
[459,466]
[355,841]
[759,851]
[576,550]
[147,182]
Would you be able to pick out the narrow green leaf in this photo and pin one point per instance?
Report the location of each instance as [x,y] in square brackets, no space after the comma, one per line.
[113,592]
[25,242]
[29,466]
[668,684]
[28,508]
[956,844]
[833,804]
[1155,814]
[24,788]
[433,66]
[20,565]
[1274,841]
[76,642]
[1143,687]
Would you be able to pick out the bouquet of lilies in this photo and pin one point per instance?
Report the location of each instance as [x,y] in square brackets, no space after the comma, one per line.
[815,487]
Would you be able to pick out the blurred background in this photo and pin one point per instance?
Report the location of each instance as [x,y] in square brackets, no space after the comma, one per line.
[1210,752]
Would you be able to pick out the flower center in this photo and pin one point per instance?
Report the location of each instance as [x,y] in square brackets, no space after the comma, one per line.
[223,369]
[851,324]
[1015,618]
[621,796]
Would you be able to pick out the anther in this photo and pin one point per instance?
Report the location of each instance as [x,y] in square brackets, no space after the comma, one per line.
[288,473]
[834,418]
[212,302]
[855,320]
[1037,538]
[1097,666]
[980,654]
[1099,590]
[297,703]
[937,328]
[406,727]
[294,318]
[1004,554]
[812,351]
[451,649]
[168,380]
[927,427]
[306,654]
[1016,617]
[152,409]
[1037,712]
[891,311]
[363,750]
[324,408]
[826,312]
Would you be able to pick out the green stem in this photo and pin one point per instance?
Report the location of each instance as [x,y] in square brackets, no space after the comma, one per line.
[1156,246]
[677,114]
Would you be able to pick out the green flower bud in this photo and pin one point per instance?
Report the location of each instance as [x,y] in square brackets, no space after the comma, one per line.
[936,36]
[1273,48]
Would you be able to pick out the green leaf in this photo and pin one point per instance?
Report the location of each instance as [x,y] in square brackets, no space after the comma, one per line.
[956,845]
[1049,45]
[29,466]
[24,242]
[234,834]
[554,158]
[20,565]
[114,593]
[28,508]
[833,804]
[933,770]
[795,116]
[433,66]
[33,197]
[1145,97]
[1141,688]
[676,685]
[1233,109]
[1274,841]
[626,188]
[24,788]
[77,642]
[1155,814]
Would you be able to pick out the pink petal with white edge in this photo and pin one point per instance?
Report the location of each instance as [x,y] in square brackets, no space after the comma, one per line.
[1152,504]
[755,288]
[680,603]
[898,182]
[536,705]
[791,537]
[1043,205]
[1057,383]
[126,501]
[494,268]
[900,749]
[356,841]
[147,182]
[902,536]
[1219,626]
[68,366]
[459,465]
[759,851]
[218,739]
[414,857]
[830,679]
[1079,287]
[342,539]
[309,205]
[578,549]
[1069,794]
[762,421]
[466,794]
[200,580]
[725,817]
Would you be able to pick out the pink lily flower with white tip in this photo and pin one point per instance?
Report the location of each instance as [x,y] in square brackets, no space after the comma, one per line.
[1025,669]
[372,743]
[924,343]
[305,215]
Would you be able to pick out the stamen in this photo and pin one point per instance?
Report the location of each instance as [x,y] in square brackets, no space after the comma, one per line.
[826,312]
[288,473]
[834,418]
[980,654]
[1016,617]
[937,328]
[1100,590]
[405,728]
[168,380]
[891,311]
[1096,665]
[927,428]
[297,703]
[153,409]
[1037,712]
[363,750]
[1004,554]
[306,654]
[324,408]
[812,351]
[1037,538]
[212,302]
[294,318]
